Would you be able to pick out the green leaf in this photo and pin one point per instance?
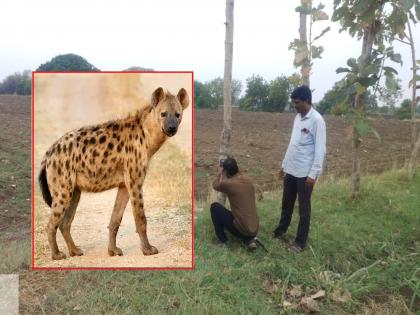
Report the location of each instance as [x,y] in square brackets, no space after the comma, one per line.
[391,83]
[418,11]
[303,9]
[407,4]
[300,57]
[341,69]
[370,69]
[320,16]
[362,127]
[351,62]
[359,88]
[316,51]
[416,79]
[367,81]
[322,33]
[396,58]
[390,70]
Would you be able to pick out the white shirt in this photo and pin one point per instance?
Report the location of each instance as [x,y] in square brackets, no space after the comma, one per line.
[306,151]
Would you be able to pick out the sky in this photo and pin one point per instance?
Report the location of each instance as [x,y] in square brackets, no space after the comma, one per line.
[185,35]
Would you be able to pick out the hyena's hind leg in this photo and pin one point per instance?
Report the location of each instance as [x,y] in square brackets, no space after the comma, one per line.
[65,224]
[114,224]
[61,202]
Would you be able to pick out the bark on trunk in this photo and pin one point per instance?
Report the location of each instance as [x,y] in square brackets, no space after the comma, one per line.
[227,116]
[414,144]
[368,39]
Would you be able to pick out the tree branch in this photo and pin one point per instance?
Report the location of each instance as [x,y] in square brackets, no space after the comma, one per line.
[402,41]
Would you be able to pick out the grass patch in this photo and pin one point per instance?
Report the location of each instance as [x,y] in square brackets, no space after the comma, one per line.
[169,177]
[371,245]
[17,256]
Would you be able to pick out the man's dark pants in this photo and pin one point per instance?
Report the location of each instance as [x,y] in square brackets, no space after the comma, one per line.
[223,219]
[295,187]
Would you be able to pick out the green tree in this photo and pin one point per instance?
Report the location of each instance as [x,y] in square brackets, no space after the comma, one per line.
[404,111]
[331,98]
[137,68]
[391,93]
[210,94]
[256,94]
[279,91]
[215,88]
[236,91]
[369,21]
[68,62]
[17,83]
[202,98]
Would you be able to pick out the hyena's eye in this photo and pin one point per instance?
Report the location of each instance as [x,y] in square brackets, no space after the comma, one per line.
[163,114]
[177,115]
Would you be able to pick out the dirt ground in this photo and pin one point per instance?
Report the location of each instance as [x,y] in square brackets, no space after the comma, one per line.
[15,175]
[66,102]
[259,142]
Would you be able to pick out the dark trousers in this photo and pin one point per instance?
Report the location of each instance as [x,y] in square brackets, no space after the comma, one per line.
[292,187]
[223,219]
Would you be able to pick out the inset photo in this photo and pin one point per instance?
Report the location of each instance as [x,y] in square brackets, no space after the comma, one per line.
[112,170]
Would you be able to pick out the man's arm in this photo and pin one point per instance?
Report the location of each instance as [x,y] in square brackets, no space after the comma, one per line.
[320,149]
[286,156]
[218,181]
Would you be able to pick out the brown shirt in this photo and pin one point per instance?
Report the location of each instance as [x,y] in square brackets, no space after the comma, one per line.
[241,194]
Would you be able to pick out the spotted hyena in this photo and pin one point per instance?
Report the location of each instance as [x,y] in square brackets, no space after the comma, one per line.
[101,157]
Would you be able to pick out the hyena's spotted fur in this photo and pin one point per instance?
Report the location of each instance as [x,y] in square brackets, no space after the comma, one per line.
[98,158]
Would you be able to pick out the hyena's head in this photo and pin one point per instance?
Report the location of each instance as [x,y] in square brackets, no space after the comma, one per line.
[168,109]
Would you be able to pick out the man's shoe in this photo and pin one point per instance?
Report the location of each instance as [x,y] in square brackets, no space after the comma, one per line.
[251,244]
[279,236]
[296,248]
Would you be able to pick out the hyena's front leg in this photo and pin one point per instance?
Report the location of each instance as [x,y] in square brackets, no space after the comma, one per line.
[136,196]
[114,223]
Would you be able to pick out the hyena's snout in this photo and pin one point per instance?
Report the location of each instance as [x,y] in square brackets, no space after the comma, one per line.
[171,127]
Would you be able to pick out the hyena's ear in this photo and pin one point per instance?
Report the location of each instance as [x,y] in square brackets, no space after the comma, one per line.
[157,96]
[183,98]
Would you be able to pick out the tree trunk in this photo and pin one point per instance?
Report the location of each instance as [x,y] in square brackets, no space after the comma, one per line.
[414,144]
[368,39]
[305,69]
[227,106]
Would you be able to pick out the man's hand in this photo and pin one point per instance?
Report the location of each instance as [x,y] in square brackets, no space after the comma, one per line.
[280,174]
[310,182]
[219,170]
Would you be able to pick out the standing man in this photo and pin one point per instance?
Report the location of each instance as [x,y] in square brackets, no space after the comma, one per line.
[301,165]
[242,221]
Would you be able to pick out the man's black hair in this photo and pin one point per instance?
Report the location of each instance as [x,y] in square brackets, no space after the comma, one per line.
[229,164]
[303,93]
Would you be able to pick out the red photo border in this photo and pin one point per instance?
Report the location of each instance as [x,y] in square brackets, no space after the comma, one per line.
[33,181]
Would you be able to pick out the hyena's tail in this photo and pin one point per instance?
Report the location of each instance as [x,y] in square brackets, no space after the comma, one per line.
[44,186]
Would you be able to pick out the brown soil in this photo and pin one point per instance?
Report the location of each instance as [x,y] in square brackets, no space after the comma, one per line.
[15,146]
[259,141]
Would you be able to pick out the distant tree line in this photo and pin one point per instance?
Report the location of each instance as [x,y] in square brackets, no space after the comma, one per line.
[20,83]
[274,96]
[260,95]
[17,83]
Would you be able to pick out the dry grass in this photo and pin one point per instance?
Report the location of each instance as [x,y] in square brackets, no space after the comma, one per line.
[169,177]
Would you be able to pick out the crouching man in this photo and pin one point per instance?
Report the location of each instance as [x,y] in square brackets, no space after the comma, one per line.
[242,221]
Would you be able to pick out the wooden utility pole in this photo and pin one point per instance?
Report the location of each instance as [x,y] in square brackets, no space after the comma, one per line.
[305,69]
[227,106]
[414,144]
